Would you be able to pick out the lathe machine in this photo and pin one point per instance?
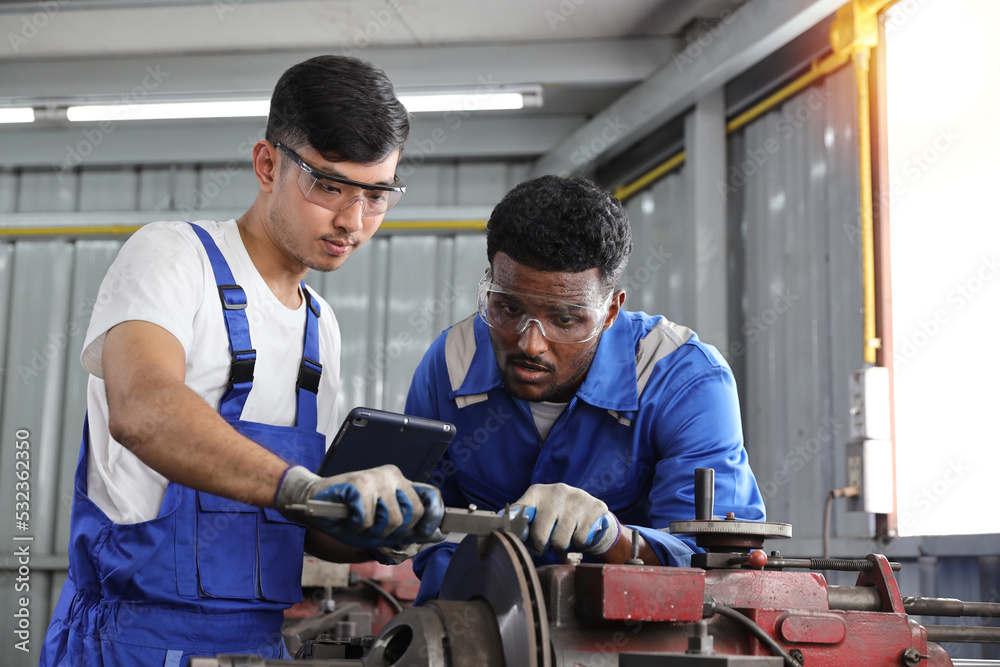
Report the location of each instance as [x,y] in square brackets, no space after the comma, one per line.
[736,606]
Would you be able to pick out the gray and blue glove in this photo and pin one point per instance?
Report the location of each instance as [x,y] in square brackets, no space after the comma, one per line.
[386,508]
[566,518]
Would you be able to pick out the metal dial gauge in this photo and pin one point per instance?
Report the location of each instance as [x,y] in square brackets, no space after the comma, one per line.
[750,528]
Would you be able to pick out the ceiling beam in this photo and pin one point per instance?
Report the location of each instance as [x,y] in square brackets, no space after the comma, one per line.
[573,62]
[738,42]
[92,144]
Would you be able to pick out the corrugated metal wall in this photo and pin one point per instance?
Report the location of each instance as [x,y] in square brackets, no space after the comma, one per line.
[391,299]
[795,324]
[794,212]
[801,319]
[795,328]
[658,278]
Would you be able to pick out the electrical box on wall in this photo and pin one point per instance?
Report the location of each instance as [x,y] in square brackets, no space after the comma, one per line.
[869,468]
[870,404]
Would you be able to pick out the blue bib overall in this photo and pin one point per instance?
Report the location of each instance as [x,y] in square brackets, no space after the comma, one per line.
[208,575]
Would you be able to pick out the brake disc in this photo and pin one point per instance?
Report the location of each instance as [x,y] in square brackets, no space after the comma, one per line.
[500,571]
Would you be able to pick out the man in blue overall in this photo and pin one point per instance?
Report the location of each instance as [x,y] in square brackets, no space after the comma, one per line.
[588,415]
[214,375]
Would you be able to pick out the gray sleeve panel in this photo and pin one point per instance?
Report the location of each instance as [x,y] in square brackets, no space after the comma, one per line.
[665,337]
[459,349]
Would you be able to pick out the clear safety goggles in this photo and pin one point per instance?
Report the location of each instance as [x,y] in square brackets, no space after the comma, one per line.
[336,194]
[511,311]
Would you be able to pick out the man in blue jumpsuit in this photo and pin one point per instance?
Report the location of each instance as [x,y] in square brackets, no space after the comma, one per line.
[589,415]
[212,394]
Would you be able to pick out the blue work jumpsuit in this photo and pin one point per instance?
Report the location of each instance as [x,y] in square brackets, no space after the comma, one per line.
[656,404]
[208,575]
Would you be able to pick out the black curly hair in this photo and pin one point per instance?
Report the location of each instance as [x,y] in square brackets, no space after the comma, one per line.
[561,224]
[343,107]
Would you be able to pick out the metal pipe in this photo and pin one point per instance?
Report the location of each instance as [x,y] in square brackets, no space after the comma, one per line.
[862,58]
[624,192]
[854,598]
[867,598]
[819,69]
[950,607]
[970,634]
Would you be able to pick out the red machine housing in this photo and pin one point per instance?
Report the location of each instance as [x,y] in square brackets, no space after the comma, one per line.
[625,609]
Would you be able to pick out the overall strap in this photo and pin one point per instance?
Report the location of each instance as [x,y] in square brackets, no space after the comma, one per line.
[234,303]
[310,369]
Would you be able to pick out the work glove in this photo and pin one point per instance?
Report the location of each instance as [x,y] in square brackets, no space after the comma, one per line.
[566,518]
[386,508]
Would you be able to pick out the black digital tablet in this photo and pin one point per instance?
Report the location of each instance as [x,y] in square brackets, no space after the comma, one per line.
[369,438]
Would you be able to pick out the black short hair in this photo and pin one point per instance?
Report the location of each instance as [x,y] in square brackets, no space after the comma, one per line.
[561,224]
[343,107]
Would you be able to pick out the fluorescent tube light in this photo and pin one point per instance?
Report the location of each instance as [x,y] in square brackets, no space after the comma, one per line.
[416,103]
[168,111]
[17,115]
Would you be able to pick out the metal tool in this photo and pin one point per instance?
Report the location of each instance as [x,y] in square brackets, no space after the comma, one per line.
[468,521]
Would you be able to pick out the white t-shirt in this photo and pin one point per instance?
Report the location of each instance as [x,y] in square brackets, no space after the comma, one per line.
[162,275]
[546,413]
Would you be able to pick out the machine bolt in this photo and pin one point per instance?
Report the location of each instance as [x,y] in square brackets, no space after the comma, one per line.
[573,558]
[912,657]
[730,516]
[472,507]
[634,560]
[775,554]
[701,643]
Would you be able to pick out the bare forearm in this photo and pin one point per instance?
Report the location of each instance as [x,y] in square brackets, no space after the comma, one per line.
[173,431]
[325,547]
[170,427]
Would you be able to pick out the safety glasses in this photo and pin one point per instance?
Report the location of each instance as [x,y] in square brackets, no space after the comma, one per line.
[336,194]
[511,311]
